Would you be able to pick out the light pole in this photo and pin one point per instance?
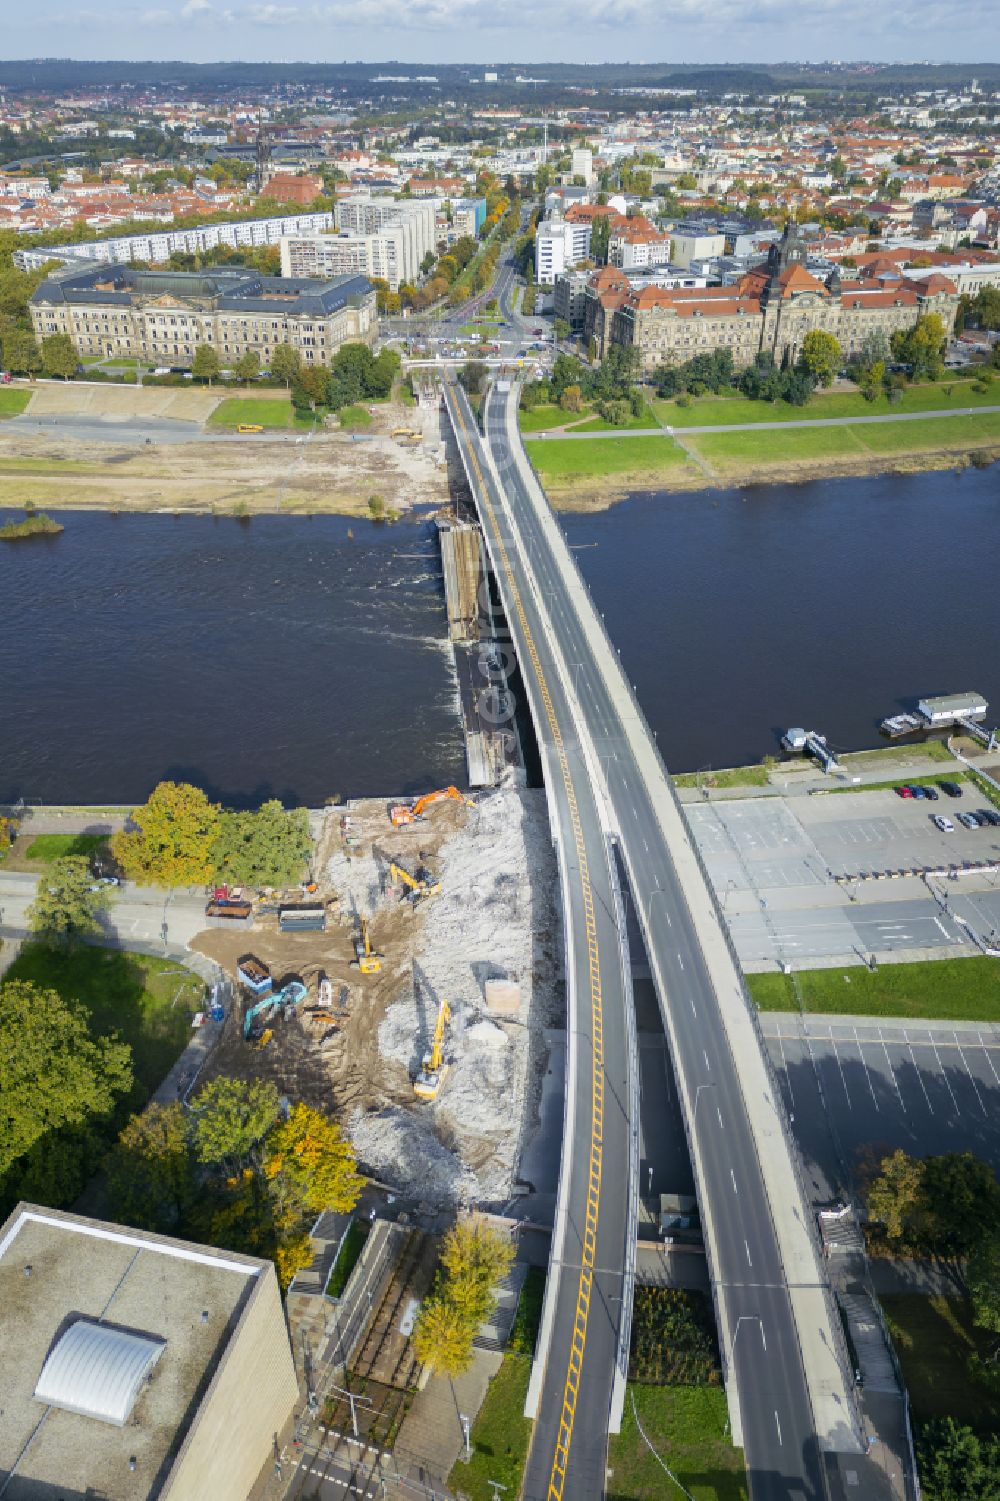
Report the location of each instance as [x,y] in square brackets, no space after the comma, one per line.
[495,1488]
[355,1402]
[463,1419]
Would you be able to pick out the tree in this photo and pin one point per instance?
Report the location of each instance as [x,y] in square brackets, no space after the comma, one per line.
[21,354]
[571,399]
[266,848]
[599,237]
[561,329]
[310,388]
[55,1074]
[895,1197]
[247,367]
[983,1281]
[956,1465]
[475,1260]
[962,1203]
[68,902]
[59,356]
[206,364]
[442,1337]
[230,1118]
[821,356]
[151,1170]
[285,363]
[472,375]
[922,347]
[172,843]
[308,1160]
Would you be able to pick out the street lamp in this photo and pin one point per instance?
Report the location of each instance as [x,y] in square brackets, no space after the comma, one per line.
[355,1402]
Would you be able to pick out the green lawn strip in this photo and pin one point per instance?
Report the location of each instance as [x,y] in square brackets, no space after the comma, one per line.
[988,791]
[13,402]
[927,781]
[541,418]
[604,456]
[500,1435]
[347,1257]
[237,409]
[929,432]
[730,776]
[934,1339]
[355,416]
[646,418]
[933,750]
[50,847]
[938,989]
[148,1002]
[714,411]
[687,1426]
[772,447]
[529,1313]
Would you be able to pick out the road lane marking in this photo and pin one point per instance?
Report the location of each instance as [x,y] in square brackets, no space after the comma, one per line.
[578,1342]
[777,1425]
[746,1247]
[892,1071]
[919,1073]
[968,1070]
[733,1176]
[719,1114]
[989,1060]
[680,961]
[944,1076]
[944,930]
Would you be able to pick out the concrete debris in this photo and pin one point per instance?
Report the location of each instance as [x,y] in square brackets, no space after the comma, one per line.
[401,1148]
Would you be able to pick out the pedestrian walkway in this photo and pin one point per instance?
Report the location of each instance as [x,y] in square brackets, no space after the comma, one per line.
[432,1436]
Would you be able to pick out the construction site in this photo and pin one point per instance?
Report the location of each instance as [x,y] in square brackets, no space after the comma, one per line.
[406,988]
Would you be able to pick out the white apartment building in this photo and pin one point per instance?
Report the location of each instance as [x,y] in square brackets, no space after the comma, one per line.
[559,245]
[696,247]
[636,246]
[362,214]
[159,245]
[582,164]
[389,254]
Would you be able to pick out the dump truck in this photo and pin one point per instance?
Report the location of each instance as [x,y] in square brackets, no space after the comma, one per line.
[223,914]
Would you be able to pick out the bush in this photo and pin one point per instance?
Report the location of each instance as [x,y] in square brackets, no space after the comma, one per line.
[673,1339]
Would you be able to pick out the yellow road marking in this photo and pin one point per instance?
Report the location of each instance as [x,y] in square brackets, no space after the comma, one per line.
[557,1479]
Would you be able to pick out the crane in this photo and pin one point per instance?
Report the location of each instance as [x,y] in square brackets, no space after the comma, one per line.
[427,1084]
[404,813]
[367,960]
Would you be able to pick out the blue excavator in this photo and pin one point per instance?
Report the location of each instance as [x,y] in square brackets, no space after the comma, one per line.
[293,994]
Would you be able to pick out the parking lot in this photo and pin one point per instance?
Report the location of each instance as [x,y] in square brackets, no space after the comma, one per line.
[926,1087]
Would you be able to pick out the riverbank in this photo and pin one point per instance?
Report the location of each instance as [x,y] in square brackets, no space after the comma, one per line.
[593,475]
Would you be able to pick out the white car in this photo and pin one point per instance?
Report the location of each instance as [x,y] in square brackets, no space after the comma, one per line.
[943,823]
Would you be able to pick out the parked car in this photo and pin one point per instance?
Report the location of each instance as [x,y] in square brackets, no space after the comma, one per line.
[990,815]
[950,789]
[903,791]
[943,823]
[969,820]
[919,792]
[931,792]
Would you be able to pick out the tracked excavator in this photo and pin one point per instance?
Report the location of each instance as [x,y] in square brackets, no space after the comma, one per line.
[427,1084]
[367,960]
[404,813]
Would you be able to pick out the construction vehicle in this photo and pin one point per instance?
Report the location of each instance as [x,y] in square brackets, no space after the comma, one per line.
[289,997]
[427,1084]
[367,960]
[419,886]
[404,813]
[263,1039]
[253,975]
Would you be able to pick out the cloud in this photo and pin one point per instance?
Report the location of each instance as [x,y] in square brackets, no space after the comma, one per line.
[191,9]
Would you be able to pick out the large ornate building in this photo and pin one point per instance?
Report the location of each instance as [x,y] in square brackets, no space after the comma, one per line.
[163,316]
[770,309]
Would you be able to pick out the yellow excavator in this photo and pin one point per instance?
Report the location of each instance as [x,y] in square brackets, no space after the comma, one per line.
[367,960]
[404,813]
[418,886]
[427,1084]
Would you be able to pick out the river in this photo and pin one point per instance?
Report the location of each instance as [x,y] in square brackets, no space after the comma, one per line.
[284,656]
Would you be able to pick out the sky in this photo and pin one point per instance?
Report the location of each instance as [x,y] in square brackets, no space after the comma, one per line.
[497,31]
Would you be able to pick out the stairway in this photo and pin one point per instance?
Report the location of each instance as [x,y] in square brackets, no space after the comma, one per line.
[876,1365]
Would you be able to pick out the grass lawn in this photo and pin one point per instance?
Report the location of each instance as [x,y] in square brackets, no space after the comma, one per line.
[731,776]
[529,1313]
[646,418]
[268,412]
[50,847]
[347,1257]
[355,417]
[928,781]
[500,1435]
[687,1427]
[13,402]
[604,456]
[930,432]
[738,449]
[934,1338]
[481,330]
[943,989]
[541,418]
[148,1002]
[713,411]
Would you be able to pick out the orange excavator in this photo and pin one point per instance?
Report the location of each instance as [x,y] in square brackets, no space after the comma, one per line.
[404,813]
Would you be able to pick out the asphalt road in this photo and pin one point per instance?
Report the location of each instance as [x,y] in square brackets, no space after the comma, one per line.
[137,914]
[593,1241]
[781,1448]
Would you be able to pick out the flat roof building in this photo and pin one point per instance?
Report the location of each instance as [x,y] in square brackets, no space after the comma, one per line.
[135,1365]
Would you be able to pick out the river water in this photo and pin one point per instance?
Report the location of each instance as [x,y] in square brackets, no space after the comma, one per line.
[304,657]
